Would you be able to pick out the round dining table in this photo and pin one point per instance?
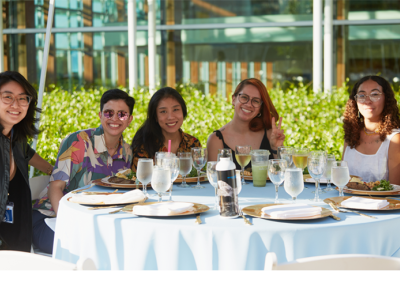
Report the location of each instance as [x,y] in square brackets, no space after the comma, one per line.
[123,241]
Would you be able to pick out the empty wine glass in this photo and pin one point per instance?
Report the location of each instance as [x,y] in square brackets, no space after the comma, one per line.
[329,163]
[243,157]
[316,165]
[172,163]
[276,173]
[340,175]
[161,180]
[294,183]
[199,156]
[185,166]
[213,179]
[144,172]
[286,153]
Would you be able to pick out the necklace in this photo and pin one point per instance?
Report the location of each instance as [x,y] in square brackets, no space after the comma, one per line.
[368,133]
[112,147]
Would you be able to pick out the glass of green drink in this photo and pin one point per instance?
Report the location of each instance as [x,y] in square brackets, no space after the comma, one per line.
[259,166]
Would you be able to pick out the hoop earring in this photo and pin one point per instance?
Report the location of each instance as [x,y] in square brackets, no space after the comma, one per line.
[259,115]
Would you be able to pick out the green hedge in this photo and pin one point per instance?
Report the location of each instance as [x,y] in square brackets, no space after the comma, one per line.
[310,119]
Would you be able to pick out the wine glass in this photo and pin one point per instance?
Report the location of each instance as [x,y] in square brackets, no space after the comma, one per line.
[144,172]
[329,163]
[199,156]
[212,178]
[340,175]
[276,173]
[161,180]
[172,163]
[316,165]
[243,157]
[286,153]
[300,156]
[185,166]
[294,183]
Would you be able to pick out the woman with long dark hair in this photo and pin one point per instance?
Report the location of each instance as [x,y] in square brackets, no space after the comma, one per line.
[17,124]
[371,126]
[253,122]
[165,115]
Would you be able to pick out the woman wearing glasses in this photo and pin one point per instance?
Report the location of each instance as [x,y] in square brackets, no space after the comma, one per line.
[85,156]
[371,125]
[17,124]
[253,122]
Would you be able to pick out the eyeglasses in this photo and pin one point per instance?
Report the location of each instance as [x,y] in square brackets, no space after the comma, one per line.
[374,96]
[122,115]
[244,98]
[22,99]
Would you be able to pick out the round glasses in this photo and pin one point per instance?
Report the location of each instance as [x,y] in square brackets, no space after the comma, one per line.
[374,96]
[22,99]
[244,98]
[122,115]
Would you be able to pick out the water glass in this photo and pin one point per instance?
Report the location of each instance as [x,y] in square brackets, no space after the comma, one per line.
[144,172]
[316,165]
[185,166]
[294,183]
[329,162]
[161,180]
[199,156]
[276,173]
[259,166]
[172,163]
[243,157]
[340,175]
[212,178]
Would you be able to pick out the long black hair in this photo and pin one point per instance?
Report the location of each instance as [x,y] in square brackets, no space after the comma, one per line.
[26,127]
[149,134]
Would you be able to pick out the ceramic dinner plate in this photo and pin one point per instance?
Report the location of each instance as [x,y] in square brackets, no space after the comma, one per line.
[105,183]
[306,178]
[255,210]
[393,203]
[106,204]
[198,208]
[396,191]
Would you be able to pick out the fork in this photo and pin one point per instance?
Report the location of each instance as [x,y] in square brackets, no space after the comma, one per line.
[78,191]
[348,210]
[244,218]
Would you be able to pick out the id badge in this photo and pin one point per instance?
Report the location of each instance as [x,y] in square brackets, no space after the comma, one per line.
[9,215]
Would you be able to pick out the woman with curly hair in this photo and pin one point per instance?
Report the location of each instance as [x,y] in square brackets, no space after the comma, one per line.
[371,125]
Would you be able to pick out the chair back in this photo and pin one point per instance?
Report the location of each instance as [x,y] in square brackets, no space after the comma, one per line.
[335,262]
[38,184]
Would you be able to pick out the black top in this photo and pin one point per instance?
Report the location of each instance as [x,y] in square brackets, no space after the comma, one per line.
[264,145]
[18,235]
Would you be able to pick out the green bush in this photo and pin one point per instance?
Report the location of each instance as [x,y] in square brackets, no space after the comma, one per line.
[312,120]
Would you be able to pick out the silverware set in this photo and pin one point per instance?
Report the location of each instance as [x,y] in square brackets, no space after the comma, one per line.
[348,210]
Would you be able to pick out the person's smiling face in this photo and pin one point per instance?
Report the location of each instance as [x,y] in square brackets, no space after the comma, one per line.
[246,111]
[115,126]
[371,109]
[169,115]
[13,113]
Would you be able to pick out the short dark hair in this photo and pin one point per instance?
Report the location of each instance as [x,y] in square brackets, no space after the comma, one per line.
[116,94]
[26,127]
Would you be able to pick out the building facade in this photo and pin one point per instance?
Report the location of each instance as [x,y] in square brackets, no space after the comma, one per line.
[212,43]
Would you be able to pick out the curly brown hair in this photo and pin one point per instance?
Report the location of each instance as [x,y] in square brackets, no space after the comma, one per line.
[353,125]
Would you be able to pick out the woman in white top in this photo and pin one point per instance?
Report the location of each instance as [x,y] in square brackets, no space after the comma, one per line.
[371,125]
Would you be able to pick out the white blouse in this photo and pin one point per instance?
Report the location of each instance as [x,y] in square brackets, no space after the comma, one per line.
[370,167]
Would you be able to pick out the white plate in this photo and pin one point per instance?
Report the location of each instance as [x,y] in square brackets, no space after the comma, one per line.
[105,181]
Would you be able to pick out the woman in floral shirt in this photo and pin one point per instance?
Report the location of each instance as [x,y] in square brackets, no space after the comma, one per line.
[165,115]
[85,156]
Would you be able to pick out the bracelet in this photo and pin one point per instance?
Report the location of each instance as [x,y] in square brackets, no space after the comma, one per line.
[274,151]
[49,171]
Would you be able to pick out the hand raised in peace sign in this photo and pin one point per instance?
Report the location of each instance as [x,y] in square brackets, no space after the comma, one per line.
[277,137]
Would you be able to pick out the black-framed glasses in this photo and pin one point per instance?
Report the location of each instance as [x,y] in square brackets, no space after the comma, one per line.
[244,98]
[22,99]
[122,115]
[373,96]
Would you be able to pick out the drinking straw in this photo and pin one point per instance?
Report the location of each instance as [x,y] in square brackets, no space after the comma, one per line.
[169,145]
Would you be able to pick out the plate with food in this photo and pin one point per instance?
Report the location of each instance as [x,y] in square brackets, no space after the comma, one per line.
[287,212]
[108,199]
[378,188]
[166,209]
[308,179]
[123,179]
[192,177]
[365,203]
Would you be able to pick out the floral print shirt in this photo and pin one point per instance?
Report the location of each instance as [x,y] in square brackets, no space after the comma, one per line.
[82,158]
[186,144]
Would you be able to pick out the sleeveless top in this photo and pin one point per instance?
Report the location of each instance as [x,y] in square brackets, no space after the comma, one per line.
[370,167]
[264,145]
[18,235]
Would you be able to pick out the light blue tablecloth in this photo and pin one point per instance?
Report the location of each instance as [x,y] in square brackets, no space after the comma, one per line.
[125,241]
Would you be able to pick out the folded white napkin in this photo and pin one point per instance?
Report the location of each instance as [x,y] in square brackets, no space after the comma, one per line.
[163,208]
[322,180]
[364,203]
[129,197]
[291,211]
